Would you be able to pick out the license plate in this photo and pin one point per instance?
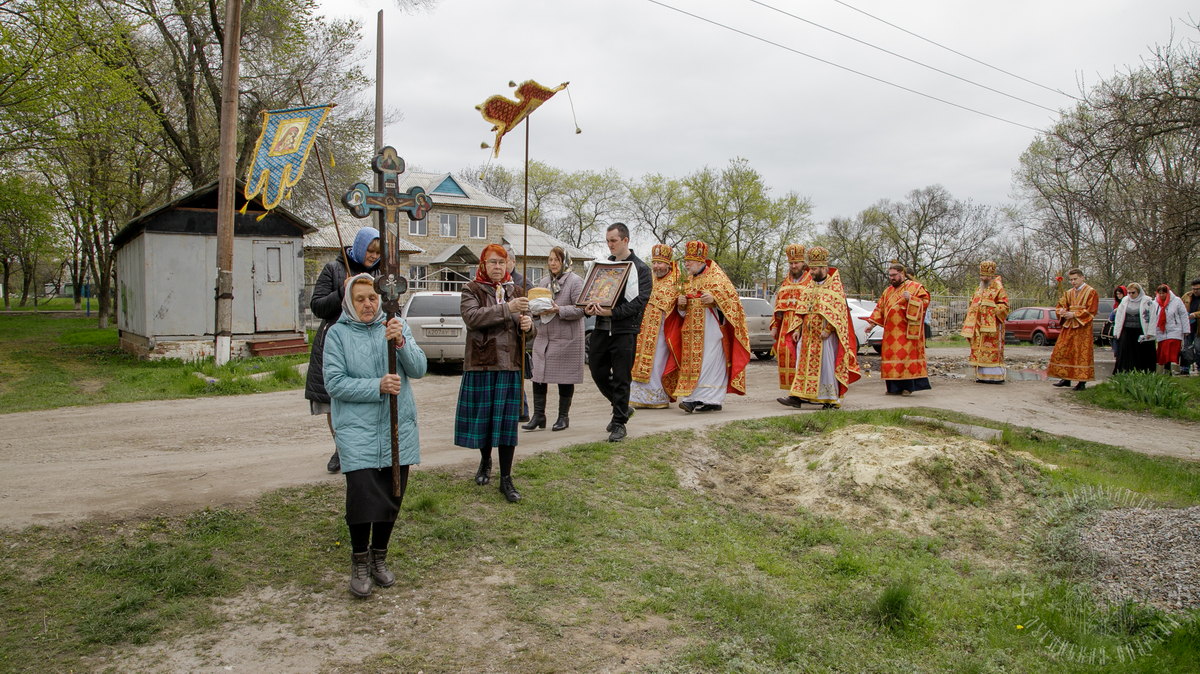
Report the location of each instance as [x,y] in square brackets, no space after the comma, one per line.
[442,332]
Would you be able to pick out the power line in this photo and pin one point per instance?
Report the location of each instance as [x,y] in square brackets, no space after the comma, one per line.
[901,56]
[955,51]
[842,67]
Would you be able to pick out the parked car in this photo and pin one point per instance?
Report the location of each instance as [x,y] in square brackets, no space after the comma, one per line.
[1100,322]
[1034,324]
[860,311]
[758,326]
[435,319]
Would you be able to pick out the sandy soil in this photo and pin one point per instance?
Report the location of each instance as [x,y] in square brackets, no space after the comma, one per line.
[178,455]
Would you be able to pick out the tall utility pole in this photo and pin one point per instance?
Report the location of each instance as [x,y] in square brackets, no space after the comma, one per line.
[226,181]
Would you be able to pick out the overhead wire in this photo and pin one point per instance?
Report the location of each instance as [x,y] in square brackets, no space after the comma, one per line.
[841,67]
[955,51]
[900,56]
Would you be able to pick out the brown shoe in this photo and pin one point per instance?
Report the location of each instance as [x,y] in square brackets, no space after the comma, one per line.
[360,574]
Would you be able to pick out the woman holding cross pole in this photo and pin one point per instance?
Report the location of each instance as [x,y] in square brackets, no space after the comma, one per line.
[360,387]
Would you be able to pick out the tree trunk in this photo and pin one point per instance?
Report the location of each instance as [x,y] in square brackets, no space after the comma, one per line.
[6,270]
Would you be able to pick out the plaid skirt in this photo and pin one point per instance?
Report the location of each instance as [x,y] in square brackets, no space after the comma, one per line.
[489,406]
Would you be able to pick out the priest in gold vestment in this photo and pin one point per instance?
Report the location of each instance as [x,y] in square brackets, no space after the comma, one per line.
[984,325]
[785,322]
[1074,355]
[901,313]
[647,389]
[826,360]
[709,344]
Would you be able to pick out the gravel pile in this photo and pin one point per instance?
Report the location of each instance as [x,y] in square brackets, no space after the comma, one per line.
[1151,556]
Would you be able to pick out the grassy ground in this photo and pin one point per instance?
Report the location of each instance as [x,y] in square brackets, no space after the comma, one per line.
[48,362]
[607,537]
[1173,397]
[49,304]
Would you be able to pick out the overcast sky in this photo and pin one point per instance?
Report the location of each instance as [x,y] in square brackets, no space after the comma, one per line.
[656,91]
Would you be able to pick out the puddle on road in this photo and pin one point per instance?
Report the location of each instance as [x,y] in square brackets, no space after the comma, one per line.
[1011,375]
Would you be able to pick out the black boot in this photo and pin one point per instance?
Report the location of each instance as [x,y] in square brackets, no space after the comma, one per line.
[510,492]
[1062,382]
[564,407]
[484,474]
[538,420]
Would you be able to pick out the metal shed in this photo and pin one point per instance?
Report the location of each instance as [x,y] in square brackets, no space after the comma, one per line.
[166,277]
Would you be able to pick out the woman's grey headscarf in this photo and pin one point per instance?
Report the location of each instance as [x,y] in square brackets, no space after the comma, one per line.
[556,280]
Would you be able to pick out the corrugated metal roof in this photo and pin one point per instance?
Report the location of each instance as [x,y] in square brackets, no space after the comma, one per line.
[540,243]
[326,237]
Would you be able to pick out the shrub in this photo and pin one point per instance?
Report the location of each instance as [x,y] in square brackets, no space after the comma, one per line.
[1150,389]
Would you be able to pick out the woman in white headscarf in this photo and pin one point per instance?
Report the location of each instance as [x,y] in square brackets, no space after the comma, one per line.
[1134,331]
[360,389]
[558,348]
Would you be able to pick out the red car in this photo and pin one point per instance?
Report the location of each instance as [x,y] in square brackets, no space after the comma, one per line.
[1033,324]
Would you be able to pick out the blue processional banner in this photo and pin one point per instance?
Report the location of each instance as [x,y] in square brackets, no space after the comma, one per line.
[282,148]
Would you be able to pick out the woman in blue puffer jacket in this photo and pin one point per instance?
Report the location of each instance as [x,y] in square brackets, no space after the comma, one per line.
[359,387]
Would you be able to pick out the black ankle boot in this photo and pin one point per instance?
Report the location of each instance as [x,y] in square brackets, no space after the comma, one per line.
[484,474]
[538,419]
[564,407]
[510,492]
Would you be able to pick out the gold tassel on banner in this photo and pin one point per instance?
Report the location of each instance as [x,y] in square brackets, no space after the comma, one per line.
[245,204]
[265,214]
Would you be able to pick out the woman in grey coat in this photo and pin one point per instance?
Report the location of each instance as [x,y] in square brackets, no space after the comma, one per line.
[558,348]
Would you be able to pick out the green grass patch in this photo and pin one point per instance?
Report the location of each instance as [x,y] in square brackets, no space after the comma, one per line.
[1173,397]
[50,304]
[48,362]
[606,537]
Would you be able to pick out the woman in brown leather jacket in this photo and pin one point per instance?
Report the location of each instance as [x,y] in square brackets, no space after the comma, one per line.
[489,399]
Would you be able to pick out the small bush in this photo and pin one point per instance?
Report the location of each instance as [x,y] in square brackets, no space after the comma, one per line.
[1150,389]
[896,608]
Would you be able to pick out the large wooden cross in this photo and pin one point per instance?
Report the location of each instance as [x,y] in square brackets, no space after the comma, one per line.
[387,202]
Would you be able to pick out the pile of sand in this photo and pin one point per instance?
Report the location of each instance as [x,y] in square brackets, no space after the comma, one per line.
[913,479]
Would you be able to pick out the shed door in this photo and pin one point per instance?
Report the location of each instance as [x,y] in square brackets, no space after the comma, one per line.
[274,294]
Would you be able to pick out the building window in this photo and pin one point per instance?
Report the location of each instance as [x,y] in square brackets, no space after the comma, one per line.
[417,274]
[478,227]
[449,224]
[535,275]
[419,227]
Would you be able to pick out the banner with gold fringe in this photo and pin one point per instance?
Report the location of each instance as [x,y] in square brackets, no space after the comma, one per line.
[281,151]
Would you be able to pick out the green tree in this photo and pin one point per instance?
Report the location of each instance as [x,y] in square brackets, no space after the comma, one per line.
[25,233]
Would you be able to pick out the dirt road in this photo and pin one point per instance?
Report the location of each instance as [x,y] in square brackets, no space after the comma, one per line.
[178,455]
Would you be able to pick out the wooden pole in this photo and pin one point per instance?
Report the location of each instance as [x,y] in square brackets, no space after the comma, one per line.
[227,182]
[385,262]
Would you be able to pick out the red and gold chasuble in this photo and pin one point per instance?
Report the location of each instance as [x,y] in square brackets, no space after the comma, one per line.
[786,320]
[984,325]
[661,303]
[1073,358]
[903,321]
[685,335]
[823,307]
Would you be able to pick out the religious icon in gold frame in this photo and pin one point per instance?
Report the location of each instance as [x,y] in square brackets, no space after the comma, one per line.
[605,284]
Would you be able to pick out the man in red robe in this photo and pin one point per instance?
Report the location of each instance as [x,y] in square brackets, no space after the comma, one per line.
[901,312]
[826,363]
[709,344]
[785,324]
[1073,358]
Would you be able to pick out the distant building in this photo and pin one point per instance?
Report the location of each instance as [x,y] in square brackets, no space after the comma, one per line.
[166,277]
[441,251]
